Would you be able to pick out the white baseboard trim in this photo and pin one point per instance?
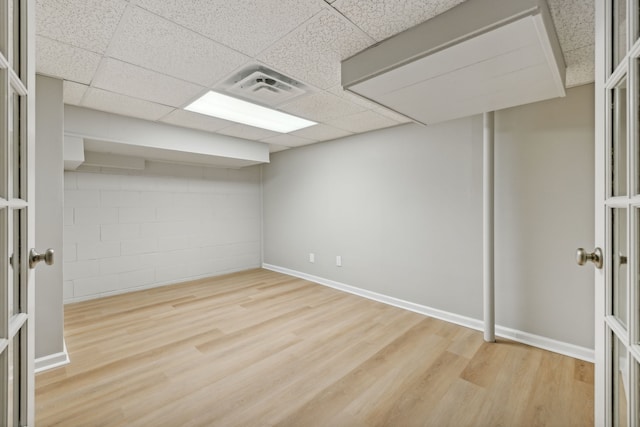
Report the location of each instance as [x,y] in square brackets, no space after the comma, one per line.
[51,361]
[560,347]
[545,343]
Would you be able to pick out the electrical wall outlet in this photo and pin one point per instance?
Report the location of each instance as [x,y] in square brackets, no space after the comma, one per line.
[339,260]
[312,257]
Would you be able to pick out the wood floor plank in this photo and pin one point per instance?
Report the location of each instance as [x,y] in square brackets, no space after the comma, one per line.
[469,398]
[423,396]
[259,348]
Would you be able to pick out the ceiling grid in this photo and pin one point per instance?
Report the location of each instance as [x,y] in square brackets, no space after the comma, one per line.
[150,58]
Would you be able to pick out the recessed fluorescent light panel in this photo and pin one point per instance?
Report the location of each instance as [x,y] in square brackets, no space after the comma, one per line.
[228,108]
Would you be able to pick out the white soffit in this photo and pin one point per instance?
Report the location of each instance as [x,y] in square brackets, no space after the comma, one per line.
[482,55]
[131,156]
[73,152]
[126,136]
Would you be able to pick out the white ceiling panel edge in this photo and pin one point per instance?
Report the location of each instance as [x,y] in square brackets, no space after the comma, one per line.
[470,18]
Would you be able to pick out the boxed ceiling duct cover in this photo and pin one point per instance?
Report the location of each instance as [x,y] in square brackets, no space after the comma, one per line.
[482,55]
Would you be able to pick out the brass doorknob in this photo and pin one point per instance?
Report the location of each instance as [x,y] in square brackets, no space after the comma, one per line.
[35,257]
[582,257]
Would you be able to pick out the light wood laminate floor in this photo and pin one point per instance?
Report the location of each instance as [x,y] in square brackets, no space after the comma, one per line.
[260,348]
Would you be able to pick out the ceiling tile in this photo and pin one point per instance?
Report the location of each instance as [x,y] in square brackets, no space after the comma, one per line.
[162,53]
[120,77]
[321,132]
[369,105]
[362,122]
[392,115]
[64,61]
[289,140]
[384,18]
[99,99]
[321,106]
[247,132]
[313,51]
[575,22]
[88,24]
[73,92]
[192,57]
[274,148]
[580,66]
[354,98]
[197,121]
[248,26]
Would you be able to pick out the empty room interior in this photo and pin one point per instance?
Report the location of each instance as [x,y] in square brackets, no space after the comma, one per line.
[308,212]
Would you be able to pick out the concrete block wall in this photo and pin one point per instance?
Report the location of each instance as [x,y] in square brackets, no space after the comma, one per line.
[128,230]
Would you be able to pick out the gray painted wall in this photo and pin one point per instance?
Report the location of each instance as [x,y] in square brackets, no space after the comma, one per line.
[403,207]
[544,211]
[49,163]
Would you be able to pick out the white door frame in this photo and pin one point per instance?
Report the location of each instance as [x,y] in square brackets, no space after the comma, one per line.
[17,194]
[617,319]
[600,399]
[31,217]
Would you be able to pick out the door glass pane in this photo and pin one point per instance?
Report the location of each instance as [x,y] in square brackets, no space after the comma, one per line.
[15,262]
[620,383]
[12,50]
[10,394]
[635,307]
[636,142]
[12,262]
[619,31]
[6,253]
[4,152]
[635,10]
[10,382]
[6,50]
[14,36]
[13,401]
[619,140]
[637,365]
[619,264]
[15,137]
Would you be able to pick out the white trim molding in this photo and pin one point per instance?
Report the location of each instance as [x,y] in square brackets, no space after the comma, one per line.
[51,361]
[544,343]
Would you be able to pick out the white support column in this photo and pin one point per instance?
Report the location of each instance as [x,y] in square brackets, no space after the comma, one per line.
[488,278]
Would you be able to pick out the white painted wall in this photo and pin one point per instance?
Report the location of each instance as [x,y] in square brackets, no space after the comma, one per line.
[127,230]
[403,207]
[48,225]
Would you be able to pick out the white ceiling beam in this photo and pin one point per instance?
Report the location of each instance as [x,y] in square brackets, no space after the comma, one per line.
[111,133]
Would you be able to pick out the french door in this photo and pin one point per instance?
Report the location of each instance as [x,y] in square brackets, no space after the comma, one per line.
[617,393]
[17,87]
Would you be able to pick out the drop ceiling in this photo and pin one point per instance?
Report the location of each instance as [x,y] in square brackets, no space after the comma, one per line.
[480,56]
[149,58]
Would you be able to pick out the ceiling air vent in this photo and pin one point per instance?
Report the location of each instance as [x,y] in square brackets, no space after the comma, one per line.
[259,84]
